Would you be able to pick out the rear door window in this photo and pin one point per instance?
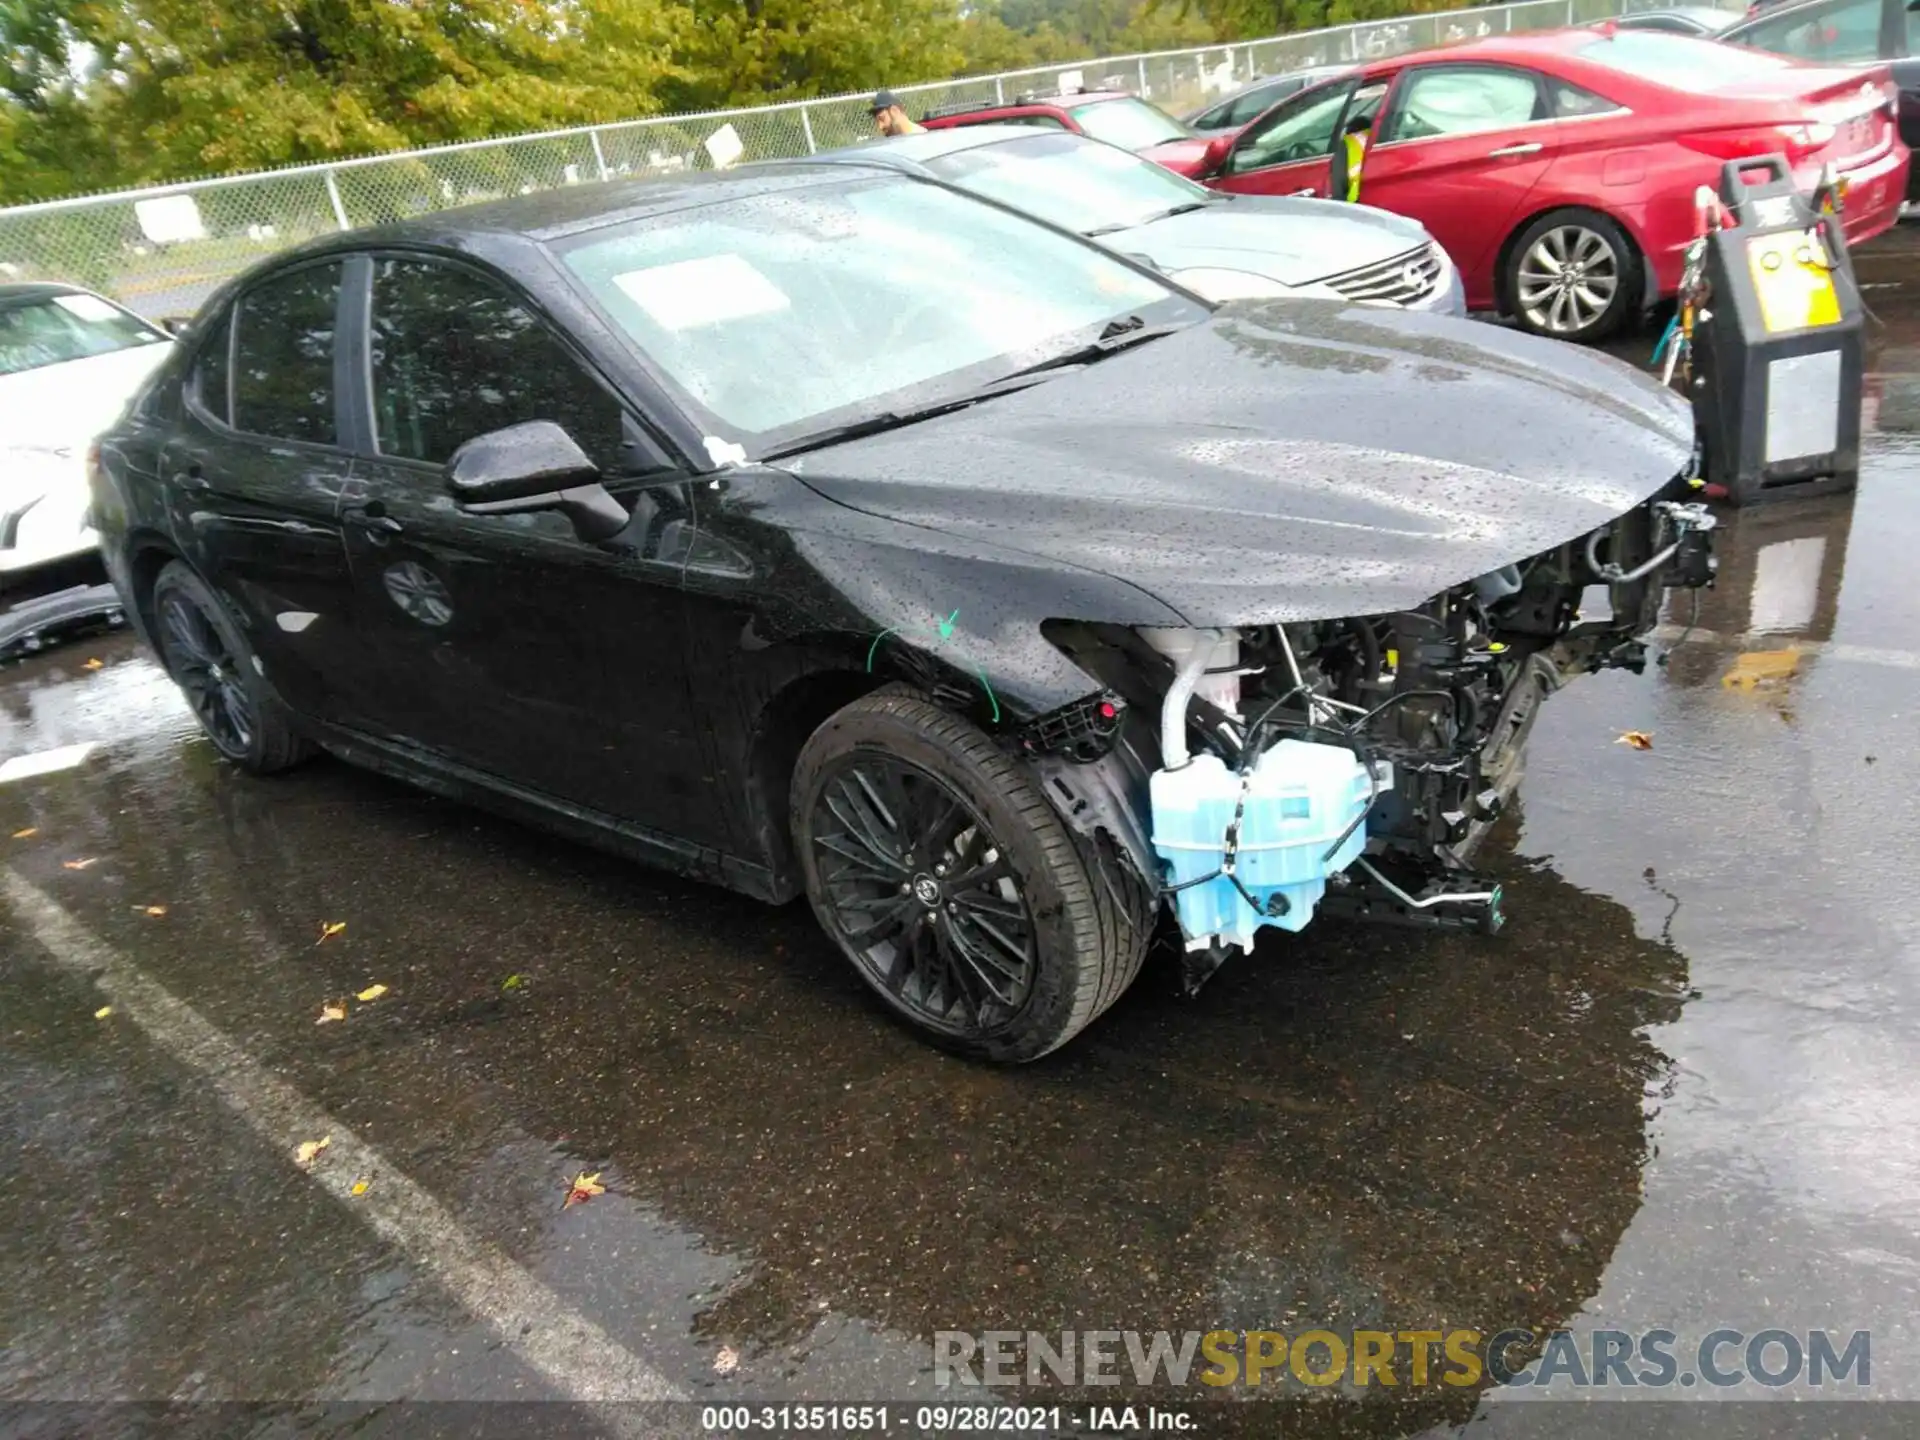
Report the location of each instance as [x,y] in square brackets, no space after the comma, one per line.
[283,358]
[212,372]
[1464,100]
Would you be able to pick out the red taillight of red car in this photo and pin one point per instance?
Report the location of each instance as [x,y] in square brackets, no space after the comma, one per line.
[1796,142]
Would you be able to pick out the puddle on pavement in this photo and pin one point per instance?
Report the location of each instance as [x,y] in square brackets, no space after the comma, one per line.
[1365,1128]
[1356,1128]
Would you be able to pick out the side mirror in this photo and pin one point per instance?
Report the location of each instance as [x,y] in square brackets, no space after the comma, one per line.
[1214,158]
[534,466]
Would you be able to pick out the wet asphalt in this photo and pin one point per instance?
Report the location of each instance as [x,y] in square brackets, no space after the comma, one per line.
[1681,1090]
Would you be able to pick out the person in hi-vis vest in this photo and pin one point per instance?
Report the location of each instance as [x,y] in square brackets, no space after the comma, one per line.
[1354,154]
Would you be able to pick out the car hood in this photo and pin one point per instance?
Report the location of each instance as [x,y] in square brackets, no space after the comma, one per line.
[1286,459]
[62,407]
[1183,156]
[1293,241]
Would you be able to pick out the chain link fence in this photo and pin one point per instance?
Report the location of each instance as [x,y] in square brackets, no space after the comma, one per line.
[163,249]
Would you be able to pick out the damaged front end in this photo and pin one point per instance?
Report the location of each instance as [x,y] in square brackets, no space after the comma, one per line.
[1259,776]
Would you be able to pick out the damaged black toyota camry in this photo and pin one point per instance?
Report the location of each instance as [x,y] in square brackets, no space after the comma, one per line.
[813,531]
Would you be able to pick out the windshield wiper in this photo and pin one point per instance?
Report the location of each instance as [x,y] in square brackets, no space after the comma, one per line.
[895,419]
[1187,208]
[1118,335]
[1184,209]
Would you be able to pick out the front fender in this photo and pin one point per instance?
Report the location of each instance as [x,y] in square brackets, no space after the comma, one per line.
[903,601]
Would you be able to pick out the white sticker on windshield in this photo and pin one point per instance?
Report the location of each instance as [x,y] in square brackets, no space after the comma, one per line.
[708,291]
[86,307]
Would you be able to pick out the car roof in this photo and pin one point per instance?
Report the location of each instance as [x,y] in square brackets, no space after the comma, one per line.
[554,214]
[903,151]
[1518,48]
[1772,12]
[1705,14]
[1302,72]
[22,292]
[1018,102]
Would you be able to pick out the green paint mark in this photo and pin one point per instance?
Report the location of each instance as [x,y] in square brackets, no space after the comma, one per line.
[945,628]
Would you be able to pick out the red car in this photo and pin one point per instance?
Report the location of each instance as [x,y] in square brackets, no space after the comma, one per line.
[1109,115]
[1559,169]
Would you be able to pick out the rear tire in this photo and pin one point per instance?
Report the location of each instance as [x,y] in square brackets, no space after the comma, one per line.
[215,668]
[1573,275]
[936,865]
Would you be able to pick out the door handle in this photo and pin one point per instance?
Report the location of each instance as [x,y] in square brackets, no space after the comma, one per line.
[373,518]
[193,477]
[1530,148]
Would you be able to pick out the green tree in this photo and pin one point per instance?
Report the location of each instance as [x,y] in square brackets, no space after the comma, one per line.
[1255,19]
[745,51]
[154,89]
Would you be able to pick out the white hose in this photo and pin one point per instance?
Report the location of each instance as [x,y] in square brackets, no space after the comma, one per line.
[1173,710]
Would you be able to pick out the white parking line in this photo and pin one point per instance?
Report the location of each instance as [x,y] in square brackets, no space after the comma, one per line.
[580,1359]
[44,762]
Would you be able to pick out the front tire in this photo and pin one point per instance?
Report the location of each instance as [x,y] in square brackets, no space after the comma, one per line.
[1573,275]
[934,862]
[216,670]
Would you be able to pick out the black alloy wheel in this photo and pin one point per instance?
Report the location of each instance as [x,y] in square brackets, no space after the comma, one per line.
[208,673]
[939,868]
[920,894]
[209,659]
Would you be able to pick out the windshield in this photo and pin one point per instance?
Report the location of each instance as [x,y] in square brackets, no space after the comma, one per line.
[1679,61]
[52,329]
[1076,183]
[1131,124]
[791,311]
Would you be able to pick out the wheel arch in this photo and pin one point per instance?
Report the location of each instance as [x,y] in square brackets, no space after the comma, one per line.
[148,553]
[813,686]
[1502,284]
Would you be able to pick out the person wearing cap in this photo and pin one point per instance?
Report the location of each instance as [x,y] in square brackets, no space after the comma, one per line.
[890,116]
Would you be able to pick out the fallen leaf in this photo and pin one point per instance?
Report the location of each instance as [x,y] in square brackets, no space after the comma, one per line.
[330,1012]
[727,1361]
[329,929]
[154,910]
[585,1187]
[26,834]
[81,864]
[372,992]
[1638,739]
[103,1012]
[360,1186]
[95,664]
[514,982]
[303,1156]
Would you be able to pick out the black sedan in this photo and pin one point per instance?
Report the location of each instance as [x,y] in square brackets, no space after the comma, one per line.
[833,532]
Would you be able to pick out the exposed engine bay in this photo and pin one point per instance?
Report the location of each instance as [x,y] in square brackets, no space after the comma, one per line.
[1265,775]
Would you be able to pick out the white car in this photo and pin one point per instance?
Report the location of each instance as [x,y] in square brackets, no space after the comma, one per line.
[69,362]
